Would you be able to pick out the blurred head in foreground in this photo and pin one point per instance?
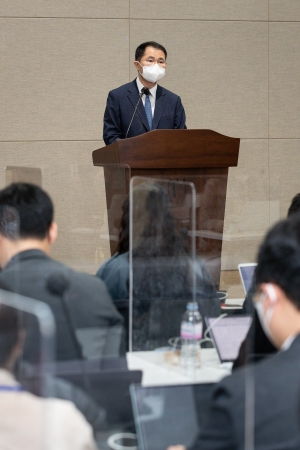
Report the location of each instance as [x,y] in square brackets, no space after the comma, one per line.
[26,220]
[278,281]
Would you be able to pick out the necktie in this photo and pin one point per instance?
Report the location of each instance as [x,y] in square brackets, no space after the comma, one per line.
[148,110]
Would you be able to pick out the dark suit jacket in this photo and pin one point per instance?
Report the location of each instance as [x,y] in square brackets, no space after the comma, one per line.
[168,113]
[92,313]
[273,387]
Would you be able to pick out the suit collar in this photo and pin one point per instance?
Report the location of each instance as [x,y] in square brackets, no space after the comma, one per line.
[26,255]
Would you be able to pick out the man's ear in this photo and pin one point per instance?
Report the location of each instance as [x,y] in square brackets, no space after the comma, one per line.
[272,292]
[52,232]
[137,66]
[4,251]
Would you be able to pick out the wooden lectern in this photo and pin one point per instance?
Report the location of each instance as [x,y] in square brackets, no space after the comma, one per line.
[201,157]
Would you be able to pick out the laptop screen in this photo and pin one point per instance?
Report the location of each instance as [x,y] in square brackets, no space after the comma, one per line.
[168,415]
[246,274]
[228,333]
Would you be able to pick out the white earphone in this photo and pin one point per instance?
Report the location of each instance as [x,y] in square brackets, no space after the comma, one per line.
[271,293]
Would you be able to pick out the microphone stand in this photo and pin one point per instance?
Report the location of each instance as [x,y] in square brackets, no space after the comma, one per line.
[145,91]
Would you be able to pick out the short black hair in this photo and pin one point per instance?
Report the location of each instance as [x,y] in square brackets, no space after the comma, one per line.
[295,205]
[279,258]
[28,204]
[140,51]
[9,332]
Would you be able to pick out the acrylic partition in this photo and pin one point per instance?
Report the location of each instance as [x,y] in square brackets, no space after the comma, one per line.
[33,325]
[157,246]
[30,318]
[27,347]
[238,336]
[89,367]
[170,288]
[221,245]
[160,404]
[269,386]
[88,215]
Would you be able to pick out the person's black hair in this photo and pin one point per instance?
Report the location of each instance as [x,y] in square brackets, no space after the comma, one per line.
[26,211]
[160,236]
[160,256]
[279,258]
[295,205]
[9,332]
[140,51]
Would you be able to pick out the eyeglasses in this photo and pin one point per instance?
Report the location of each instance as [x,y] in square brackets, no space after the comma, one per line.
[151,63]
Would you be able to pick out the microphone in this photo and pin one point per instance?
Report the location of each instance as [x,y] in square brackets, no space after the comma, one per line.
[57,284]
[145,91]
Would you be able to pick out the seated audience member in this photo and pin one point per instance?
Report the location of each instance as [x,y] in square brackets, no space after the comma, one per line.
[272,385]
[87,323]
[257,345]
[162,267]
[115,271]
[27,421]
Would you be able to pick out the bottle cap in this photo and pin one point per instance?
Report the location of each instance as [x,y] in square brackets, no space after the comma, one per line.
[192,306]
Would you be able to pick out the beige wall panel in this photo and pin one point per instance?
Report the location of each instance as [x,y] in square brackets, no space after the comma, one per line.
[77,189]
[55,76]
[220,70]
[200,9]
[284,80]
[281,10]
[285,170]
[247,213]
[67,8]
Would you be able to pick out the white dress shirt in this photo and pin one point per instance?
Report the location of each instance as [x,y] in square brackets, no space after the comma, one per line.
[152,96]
[288,342]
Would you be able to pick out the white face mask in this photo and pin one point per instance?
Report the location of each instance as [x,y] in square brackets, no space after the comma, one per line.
[265,320]
[153,73]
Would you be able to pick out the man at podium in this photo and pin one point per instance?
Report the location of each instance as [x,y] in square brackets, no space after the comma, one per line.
[143,105]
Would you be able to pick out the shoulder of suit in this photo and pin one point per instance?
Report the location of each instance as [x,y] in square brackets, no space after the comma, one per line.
[124,88]
[132,85]
[278,363]
[170,94]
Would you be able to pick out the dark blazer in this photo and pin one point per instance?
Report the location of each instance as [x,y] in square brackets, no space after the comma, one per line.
[273,388]
[168,114]
[97,323]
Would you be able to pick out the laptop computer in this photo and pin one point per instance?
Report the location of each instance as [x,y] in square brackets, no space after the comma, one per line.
[246,273]
[168,415]
[108,387]
[228,333]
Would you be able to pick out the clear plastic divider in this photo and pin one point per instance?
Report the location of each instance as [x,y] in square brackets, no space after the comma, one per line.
[167,253]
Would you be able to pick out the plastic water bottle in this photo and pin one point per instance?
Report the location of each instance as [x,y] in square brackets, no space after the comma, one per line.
[190,333]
